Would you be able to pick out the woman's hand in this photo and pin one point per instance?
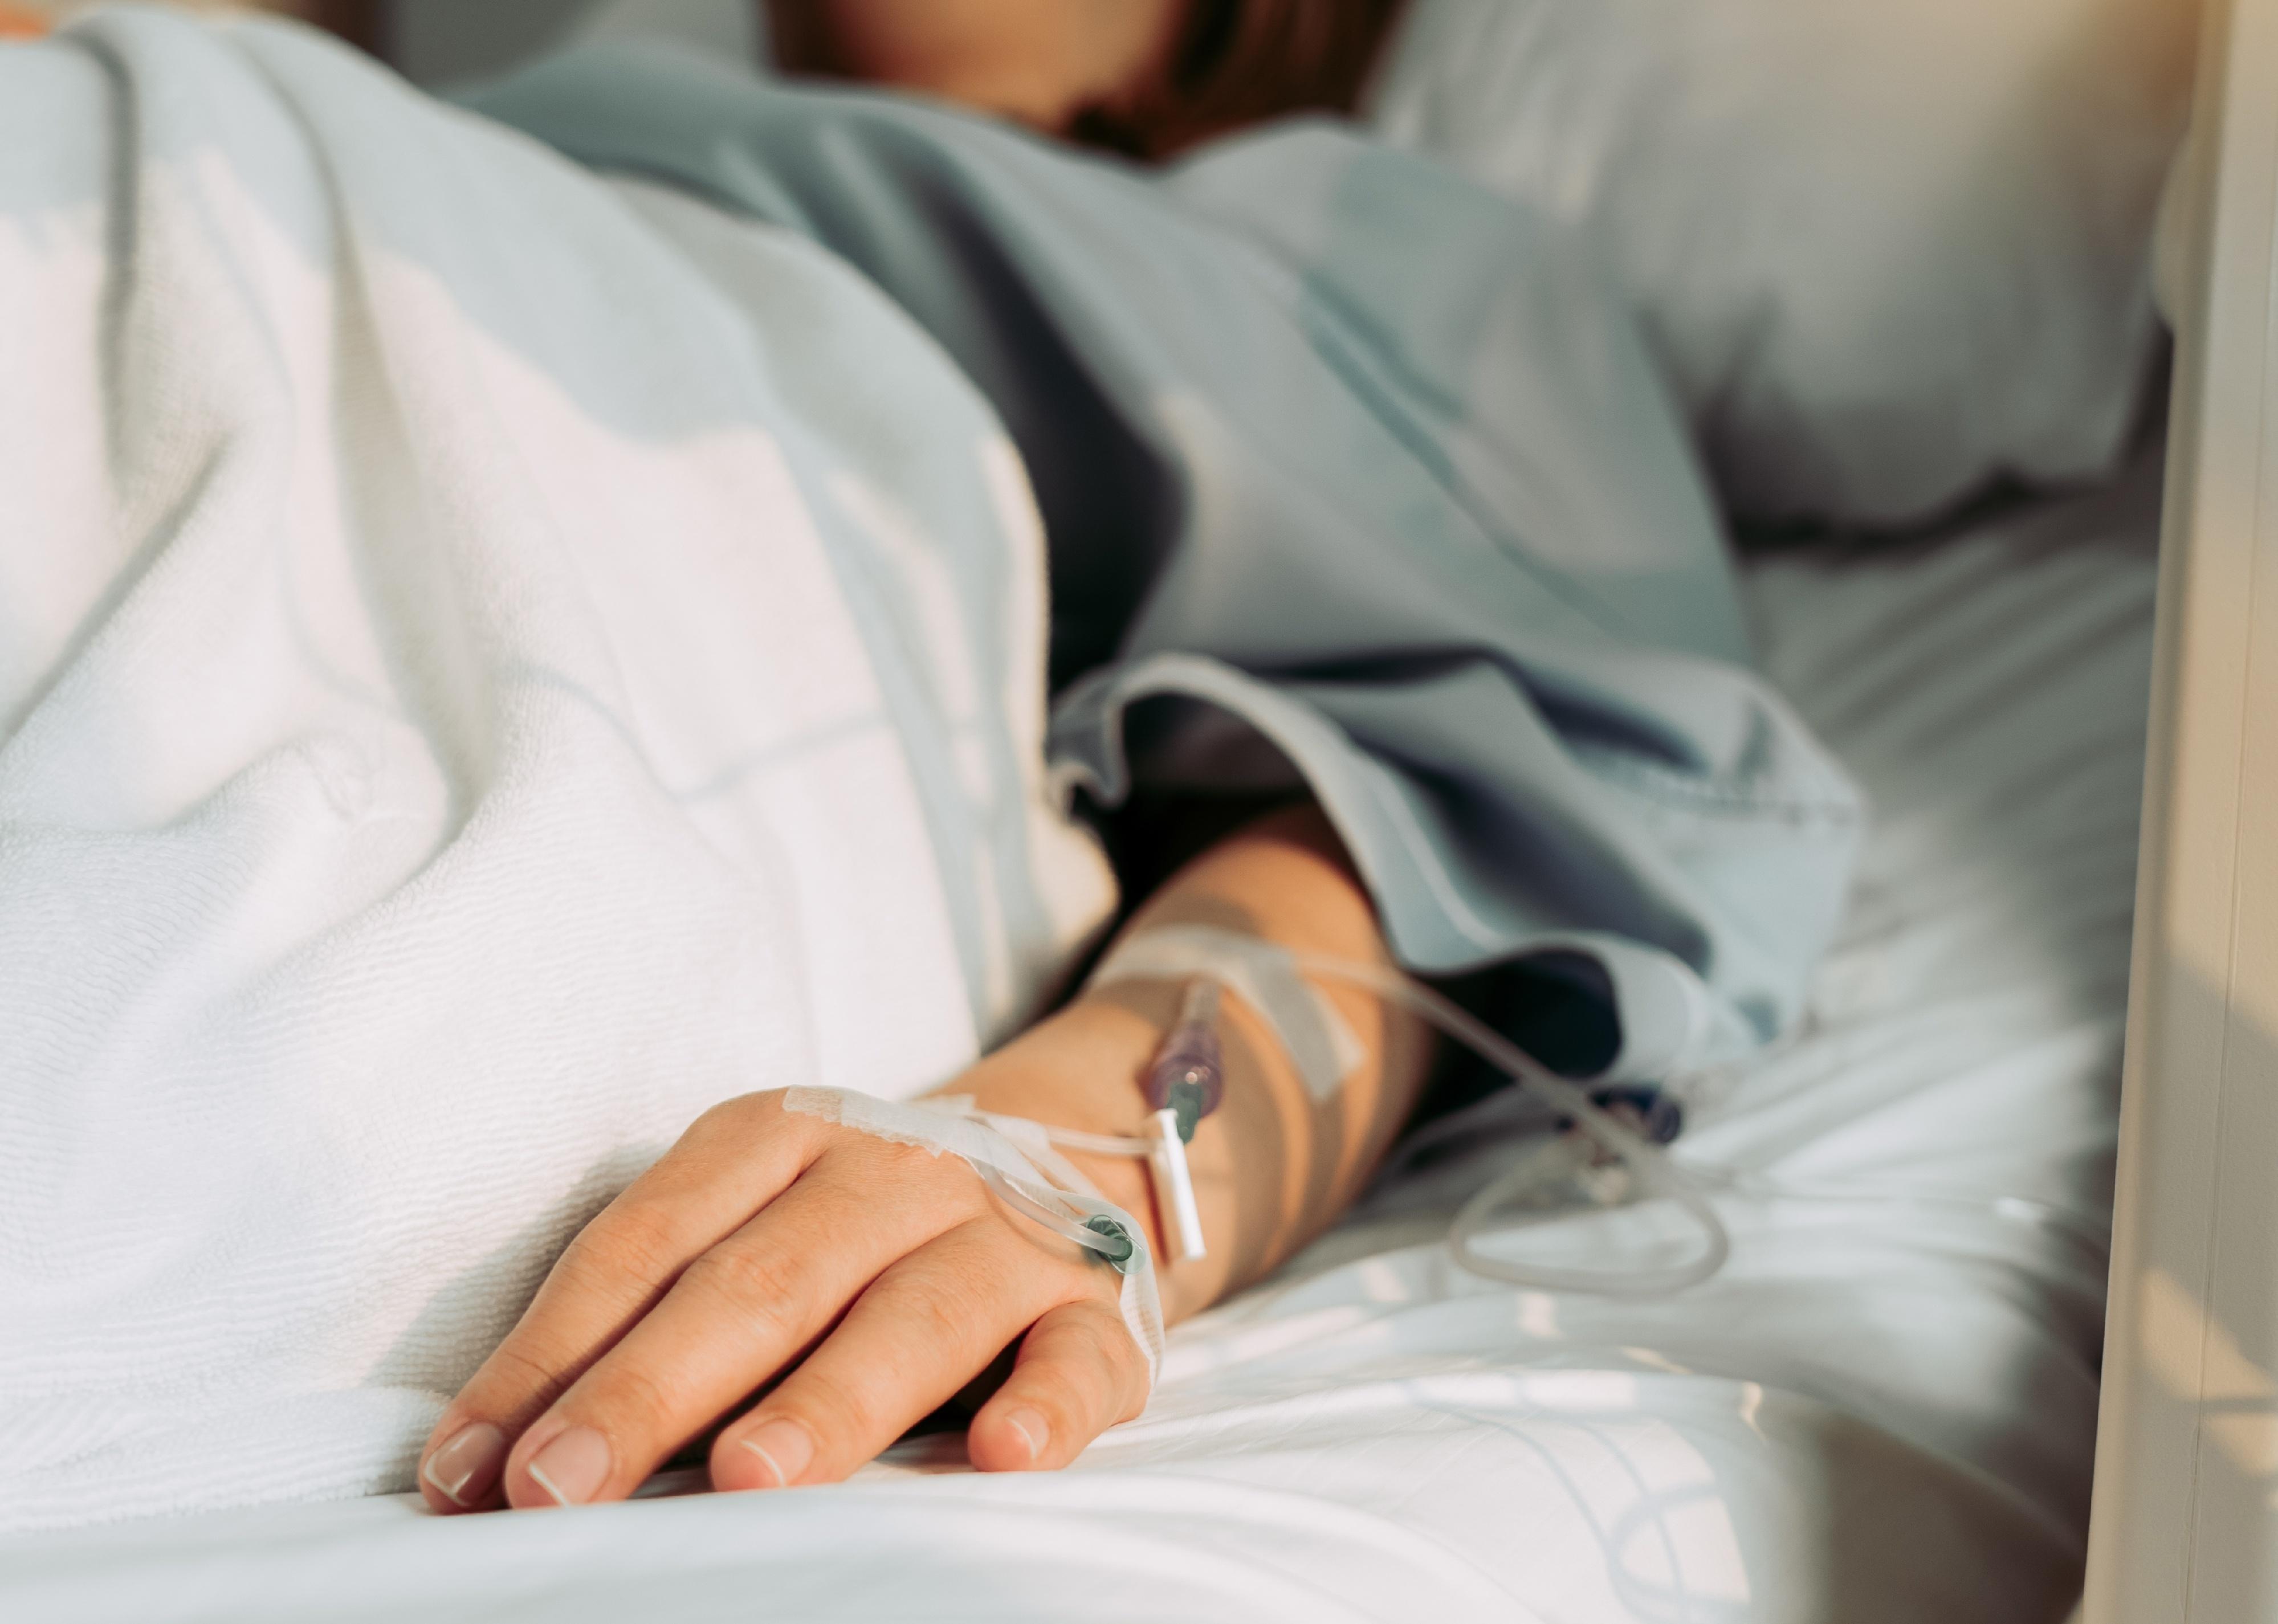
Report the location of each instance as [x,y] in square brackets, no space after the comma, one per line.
[884,1278]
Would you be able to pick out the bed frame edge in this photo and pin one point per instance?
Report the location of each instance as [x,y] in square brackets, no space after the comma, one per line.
[2184,1525]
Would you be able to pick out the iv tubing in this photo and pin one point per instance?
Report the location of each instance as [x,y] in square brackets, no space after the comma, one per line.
[1656,1176]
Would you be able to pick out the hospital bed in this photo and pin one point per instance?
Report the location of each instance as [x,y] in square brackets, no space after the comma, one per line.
[2188,1441]
[1884,1407]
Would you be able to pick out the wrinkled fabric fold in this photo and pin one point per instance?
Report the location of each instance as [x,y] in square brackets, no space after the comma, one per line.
[1355,477]
[470,700]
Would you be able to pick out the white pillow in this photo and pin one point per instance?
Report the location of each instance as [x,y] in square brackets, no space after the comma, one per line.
[1889,250]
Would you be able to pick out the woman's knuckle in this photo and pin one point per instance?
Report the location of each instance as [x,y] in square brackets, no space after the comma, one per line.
[833,1408]
[640,1401]
[945,1320]
[515,1381]
[1128,1376]
[752,1282]
[1086,1287]
[883,1157]
[1055,1384]
[733,1117]
[1111,1338]
[1095,1341]
[905,1185]
[1102,1366]
[648,1240]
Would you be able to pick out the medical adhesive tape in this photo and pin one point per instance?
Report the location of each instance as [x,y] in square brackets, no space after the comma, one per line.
[1016,1159]
[1320,1045]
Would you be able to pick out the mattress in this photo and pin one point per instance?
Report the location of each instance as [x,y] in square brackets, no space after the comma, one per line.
[1882,1408]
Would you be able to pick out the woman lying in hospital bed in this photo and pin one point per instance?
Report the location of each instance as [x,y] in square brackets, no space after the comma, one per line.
[884,1278]
[1408,549]
[870,1282]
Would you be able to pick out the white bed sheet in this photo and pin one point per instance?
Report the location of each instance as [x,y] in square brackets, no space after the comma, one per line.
[1882,1409]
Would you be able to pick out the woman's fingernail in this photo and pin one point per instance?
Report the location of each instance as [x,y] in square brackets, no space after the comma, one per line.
[572,1467]
[467,1464]
[1032,1426]
[784,1448]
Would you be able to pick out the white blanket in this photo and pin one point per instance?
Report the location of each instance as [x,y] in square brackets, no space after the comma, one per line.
[468,701]
[1882,1413]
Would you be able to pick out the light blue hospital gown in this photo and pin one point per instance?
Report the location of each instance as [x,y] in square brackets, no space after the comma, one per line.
[1354,474]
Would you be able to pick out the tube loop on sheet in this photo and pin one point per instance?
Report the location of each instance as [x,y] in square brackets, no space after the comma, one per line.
[1264,972]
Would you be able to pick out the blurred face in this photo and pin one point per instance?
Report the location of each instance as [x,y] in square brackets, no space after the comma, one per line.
[1040,61]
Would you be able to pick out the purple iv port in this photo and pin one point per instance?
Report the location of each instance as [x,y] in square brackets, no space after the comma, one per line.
[1190,1055]
[1188,1074]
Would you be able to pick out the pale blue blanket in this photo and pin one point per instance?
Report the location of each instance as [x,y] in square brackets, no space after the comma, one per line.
[1354,473]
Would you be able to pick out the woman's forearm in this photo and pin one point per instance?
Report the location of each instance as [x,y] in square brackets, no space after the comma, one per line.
[1271,1167]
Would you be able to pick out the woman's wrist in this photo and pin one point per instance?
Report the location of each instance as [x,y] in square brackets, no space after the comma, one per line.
[1078,1067]
[1081,1068]
[1084,1068]
[1275,1163]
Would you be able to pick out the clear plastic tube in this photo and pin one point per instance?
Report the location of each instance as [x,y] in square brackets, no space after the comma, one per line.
[1542,1099]
[1110,1240]
[1553,1098]
[1657,1177]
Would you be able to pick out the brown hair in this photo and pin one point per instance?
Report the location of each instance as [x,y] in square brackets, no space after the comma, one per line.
[1238,62]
